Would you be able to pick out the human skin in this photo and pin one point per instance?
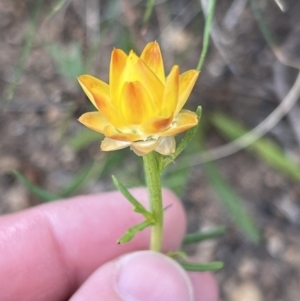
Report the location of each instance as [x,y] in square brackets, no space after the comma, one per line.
[67,250]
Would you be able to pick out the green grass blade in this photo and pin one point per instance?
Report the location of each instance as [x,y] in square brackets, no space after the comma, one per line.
[38,191]
[55,8]
[9,93]
[231,203]
[77,181]
[201,267]
[88,173]
[206,35]
[83,139]
[261,21]
[176,179]
[264,148]
[68,60]
[149,10]
[201,236]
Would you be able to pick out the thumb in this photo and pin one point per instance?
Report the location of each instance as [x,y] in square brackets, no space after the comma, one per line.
[141,276]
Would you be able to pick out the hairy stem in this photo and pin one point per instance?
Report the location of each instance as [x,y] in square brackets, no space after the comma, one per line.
[154,186]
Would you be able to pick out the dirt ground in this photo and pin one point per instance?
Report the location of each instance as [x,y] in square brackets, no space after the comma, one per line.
[244,77]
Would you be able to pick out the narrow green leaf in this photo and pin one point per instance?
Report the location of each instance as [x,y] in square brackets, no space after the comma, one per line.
[200,236]
[77,181]
[261,21]
[184,142]
[265,149]
[68,60]
[55,8]
[88,173]
[180,255]
[131,232]
[137,206]
[149,9]
[38,191]
[201,267]
[206,35]
[83,139]
[231,203]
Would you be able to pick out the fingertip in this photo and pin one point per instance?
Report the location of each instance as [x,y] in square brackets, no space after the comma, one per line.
[143,275]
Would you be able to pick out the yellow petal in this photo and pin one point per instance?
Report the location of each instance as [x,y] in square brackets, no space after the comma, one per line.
[170,97]
[151,56]
[184,121]
[156,125]
[135,104]
[167,146]
[98,93]
[144,147]
[113,133]
[117,64]
[137,70]
[94,121]
[110,144]
[88,82]
[187,81]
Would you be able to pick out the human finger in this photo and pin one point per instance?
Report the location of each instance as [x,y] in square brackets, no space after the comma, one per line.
[145,276]
[48,251]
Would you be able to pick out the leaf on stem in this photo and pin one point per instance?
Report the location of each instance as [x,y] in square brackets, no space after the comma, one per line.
[131,232]
[137,206]
[201,267]
[178,255]
[183,144]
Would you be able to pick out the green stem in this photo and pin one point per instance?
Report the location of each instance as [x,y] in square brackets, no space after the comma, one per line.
[206,35]
[156,206]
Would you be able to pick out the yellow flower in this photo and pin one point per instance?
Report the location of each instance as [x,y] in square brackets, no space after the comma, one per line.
[140,107]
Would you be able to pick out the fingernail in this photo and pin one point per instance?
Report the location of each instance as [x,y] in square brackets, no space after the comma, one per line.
[151,276]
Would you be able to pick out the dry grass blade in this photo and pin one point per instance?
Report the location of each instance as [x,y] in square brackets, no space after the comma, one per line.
[260,130]
[282,5]
[233,14]
[284,108]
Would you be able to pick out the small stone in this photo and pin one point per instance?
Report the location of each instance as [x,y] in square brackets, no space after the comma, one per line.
[176,38]
[292,255]
[17,198]
[246,291]
[67,155]
[206,249]
[247,268]
[8,163]
[290,210]
[275,246]
[53,114]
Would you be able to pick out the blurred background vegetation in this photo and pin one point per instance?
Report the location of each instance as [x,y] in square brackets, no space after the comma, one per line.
[242,169]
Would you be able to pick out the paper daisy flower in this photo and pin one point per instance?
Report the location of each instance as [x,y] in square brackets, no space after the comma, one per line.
[140,107]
